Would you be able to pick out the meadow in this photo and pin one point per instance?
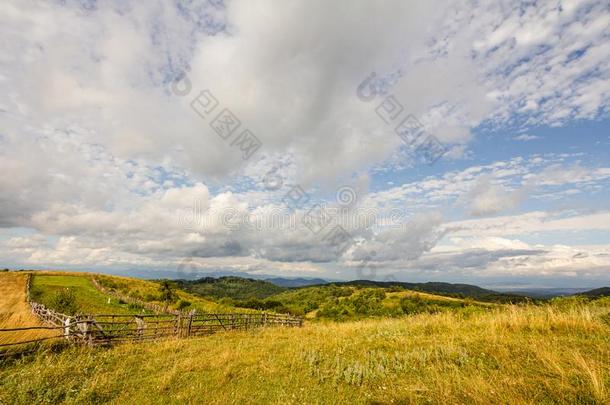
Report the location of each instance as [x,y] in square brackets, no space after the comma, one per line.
[556,353]
[53,289]
[439,350]
[84,297]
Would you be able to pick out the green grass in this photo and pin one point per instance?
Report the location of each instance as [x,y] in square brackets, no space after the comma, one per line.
[346,302]
[507,355]
[149,291]
[46,287]
[87,298]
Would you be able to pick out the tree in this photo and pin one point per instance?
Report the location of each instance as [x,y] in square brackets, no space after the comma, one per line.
[64,301]
[165,289]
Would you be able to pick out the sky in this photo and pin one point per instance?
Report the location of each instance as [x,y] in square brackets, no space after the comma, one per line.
[458,141]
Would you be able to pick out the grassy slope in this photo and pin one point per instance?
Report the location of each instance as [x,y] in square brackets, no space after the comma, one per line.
[149,291]
[507,355]
[88,299]
[450,289]
[15,311]
[598,292]
[92,301]
[309,300]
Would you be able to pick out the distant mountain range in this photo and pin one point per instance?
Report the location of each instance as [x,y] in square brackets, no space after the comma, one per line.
[296,282]
[548,292]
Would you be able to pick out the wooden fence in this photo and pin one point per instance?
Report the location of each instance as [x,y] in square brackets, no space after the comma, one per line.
[108,329]
[114,328]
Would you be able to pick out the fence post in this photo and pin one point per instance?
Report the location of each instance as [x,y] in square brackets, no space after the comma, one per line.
[140,325]
[88,331]
[67,328]
[188,331]
[178,329]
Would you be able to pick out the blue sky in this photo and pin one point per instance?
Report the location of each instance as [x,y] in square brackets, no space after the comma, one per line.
[118,153]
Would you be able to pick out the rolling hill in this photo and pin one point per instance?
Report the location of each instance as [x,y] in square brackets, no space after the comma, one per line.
[596,293]
[237,288]
[449,289]
[266,294]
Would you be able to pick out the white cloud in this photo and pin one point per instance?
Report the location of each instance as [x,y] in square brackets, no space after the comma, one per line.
[486,197]
[106,166]
[526,137]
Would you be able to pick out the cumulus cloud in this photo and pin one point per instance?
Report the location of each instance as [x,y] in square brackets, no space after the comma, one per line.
[101,162]
[408,242]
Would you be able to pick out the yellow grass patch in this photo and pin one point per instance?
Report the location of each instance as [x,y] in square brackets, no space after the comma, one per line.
[15,311]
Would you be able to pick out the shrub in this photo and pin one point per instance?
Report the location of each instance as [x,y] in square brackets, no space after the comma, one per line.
[150,297]
[135,294]
[411,305]
[183,304]
[363,302]
[64,301]
[107,283]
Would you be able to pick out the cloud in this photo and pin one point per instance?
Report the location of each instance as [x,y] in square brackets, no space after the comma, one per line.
[104,165]
[486,197]
[526,137]
[295,88]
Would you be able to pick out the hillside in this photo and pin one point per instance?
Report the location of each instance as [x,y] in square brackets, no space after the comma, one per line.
[237,288]
[344,300]
[440,288]
[502,356]
[348,302]
[598,292]
[295,282]
[72,293]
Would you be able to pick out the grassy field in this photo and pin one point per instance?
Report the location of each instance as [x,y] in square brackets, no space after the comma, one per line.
[88,299]
[556,353]
[15,311]
[149,291]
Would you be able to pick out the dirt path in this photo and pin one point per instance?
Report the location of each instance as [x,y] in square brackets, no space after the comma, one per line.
[15,311]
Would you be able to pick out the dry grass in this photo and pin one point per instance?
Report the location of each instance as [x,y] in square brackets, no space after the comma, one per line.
[15,311]
[508,355]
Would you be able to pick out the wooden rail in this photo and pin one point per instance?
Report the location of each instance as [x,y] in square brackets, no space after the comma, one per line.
[114,328]
[106,329]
